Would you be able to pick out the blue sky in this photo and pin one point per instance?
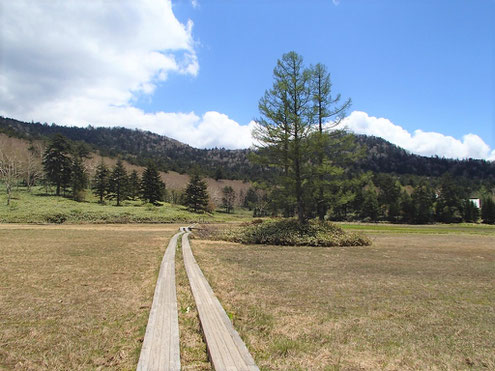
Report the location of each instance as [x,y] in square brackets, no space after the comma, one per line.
[420,73]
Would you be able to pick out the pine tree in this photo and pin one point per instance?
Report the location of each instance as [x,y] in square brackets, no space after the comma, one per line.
[79,179]
[196,195]
[228,199]
[117,184]
[152,187]
[250,199]
[471,213]
[134,187]
[100,181]
[370,208]
[423,198]
[488,210]
[57,162]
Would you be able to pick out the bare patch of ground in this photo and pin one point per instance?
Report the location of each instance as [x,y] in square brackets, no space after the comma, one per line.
[411,301]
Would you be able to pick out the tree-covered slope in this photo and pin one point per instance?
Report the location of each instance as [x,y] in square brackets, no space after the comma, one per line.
[138,146]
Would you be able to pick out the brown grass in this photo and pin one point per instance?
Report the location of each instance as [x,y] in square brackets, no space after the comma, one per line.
[76,297]
[411,301]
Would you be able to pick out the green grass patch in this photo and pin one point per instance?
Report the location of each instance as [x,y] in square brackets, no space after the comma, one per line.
[461,228]
[289,232]
[38,207]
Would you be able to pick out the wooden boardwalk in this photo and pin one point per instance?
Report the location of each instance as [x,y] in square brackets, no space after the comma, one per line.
[226,349]
[160,350]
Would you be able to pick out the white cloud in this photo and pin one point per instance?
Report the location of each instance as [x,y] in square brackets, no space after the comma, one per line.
[195,4]
[420,142]
[102,52]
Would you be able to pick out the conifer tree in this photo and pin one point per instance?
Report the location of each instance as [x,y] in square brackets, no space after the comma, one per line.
[325,108]
[152,187]
[423,198]
[100,181]
[196,195]
[57,162]
[117,184]
[79,179]
[488,210]
[284,127]
[134,188]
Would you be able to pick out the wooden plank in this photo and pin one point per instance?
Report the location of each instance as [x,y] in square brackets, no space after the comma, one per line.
[226,349]
[160,350]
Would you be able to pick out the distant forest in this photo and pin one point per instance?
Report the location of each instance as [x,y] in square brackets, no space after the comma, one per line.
[138,147]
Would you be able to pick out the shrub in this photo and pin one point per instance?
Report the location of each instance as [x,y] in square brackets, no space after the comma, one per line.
[291,232]
[58,218]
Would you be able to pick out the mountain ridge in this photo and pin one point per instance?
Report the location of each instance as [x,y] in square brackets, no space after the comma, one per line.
[139,146]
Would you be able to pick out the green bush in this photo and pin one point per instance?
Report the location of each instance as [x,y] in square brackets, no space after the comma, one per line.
[291,232]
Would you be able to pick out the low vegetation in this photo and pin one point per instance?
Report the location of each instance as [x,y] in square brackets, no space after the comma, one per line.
[290,232]
[411,301]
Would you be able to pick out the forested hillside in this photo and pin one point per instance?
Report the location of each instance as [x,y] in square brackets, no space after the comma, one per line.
[137,147]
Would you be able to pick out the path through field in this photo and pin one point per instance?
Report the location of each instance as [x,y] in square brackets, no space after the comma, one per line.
[160,349]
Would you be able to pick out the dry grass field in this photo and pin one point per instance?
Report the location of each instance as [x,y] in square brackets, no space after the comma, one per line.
[77,297]
[410,301]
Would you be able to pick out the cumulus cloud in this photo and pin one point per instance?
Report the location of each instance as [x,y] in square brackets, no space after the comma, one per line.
[79,62]
[420,142]
[107,52]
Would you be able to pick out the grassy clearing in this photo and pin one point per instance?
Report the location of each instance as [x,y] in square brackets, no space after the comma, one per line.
[193,354]
[461,228]
[36,207]
[77,297]
[411,301]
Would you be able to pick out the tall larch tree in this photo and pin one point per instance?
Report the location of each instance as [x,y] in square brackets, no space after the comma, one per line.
[328,112]
[284,126]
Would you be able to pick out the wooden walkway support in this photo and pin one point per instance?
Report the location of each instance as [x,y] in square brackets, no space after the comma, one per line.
[160,349]
[226,349]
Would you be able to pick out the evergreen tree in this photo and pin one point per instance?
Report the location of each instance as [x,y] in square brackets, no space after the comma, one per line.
[250,199]
[471,213]
[117,184]
[134,187]
[448,207]
[389,195]
[79,179]
[488,210]
[100,181]
[57,162]
[423,198]
[152,187]
[228,199]
[196,195]
[219,174]
[407,209]
[370,208]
